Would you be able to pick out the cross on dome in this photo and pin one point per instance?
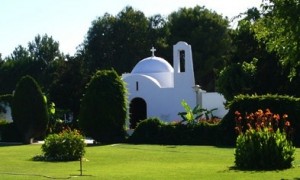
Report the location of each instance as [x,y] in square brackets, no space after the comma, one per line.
[153,50]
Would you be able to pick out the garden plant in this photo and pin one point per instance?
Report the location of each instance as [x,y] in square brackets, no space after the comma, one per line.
[197,114]
[264,141]
[66,146]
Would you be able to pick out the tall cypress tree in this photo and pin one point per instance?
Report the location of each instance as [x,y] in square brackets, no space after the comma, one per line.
[29,109]
[103,108]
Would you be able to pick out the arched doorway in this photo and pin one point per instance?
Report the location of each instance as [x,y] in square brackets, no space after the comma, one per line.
[137,111]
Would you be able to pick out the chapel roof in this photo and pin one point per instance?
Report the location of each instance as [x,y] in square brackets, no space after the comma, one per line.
[152,64]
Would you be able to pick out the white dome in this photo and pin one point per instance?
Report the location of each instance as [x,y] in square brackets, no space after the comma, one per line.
[152,65]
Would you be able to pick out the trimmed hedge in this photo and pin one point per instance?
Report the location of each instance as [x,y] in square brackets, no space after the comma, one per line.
[278,104]
[154,131]
[10,133]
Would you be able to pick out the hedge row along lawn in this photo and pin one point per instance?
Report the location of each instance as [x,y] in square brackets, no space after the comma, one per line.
[123,161]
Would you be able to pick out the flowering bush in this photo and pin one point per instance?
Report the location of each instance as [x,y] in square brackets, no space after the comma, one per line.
[66,146]
[264,141]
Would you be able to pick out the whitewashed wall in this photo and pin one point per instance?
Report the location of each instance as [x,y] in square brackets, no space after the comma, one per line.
[211,100]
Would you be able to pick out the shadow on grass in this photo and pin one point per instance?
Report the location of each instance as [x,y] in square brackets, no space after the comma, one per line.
[237,169]
[11,144]
[252,171]
[44,176]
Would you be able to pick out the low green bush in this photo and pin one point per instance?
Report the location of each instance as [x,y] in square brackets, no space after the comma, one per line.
[263,150]
[154,131]
[66,146]
[147,131]
[262,143]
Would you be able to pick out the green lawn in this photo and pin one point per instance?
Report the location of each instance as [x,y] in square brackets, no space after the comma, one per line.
[123,161]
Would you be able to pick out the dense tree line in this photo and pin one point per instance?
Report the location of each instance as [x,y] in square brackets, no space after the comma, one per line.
[247,59]
[265,56]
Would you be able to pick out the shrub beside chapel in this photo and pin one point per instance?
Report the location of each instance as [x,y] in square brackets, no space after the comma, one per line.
[103,108]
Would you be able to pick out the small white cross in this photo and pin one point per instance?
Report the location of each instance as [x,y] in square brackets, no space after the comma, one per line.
[153,50]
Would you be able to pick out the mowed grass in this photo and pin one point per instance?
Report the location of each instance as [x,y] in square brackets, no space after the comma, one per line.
[123,161]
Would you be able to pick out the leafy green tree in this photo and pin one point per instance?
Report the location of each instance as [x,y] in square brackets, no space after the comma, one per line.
[29,109]
[97,47]
[208,34]
[61,77]
[36,61]
[44,49]
[280,29]
[67,86]
[103,108]
[249,53]
[121,41]
[234,80]
[245,45]
[135,45]
[13,68]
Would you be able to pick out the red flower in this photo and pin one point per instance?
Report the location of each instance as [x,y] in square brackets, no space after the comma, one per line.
[287,123]
[237,113]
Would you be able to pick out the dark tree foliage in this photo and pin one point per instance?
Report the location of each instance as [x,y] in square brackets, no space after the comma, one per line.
[280,29]
[267,75]
[103,108]
[208,34]
[66,89]
[247,47]
[61,77]
[29,109]
[234,80]
[44,49]
[121,41]
[36,61]
[13,68]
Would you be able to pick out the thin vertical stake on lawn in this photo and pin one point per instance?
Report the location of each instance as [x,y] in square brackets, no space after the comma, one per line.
[80,166]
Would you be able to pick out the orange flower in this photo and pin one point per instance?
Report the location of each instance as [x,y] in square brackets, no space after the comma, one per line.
[259,112]
[276,117]
[268,112]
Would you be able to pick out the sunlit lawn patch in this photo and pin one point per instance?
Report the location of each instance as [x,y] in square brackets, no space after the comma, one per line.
[123,161]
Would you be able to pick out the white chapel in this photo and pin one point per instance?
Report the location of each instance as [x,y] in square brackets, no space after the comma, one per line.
[157,88]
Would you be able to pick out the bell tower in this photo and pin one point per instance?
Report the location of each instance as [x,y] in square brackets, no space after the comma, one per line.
[183,65]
